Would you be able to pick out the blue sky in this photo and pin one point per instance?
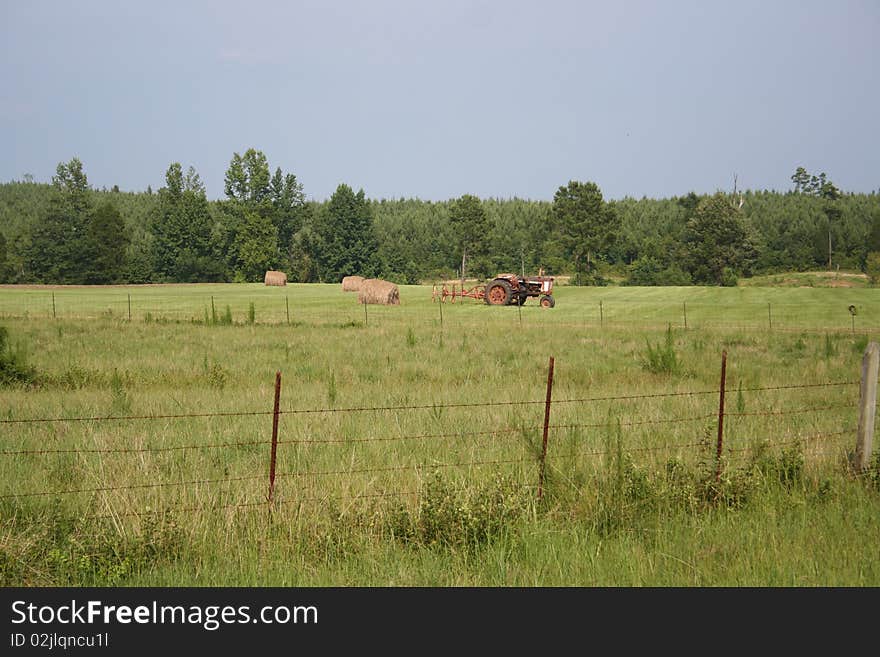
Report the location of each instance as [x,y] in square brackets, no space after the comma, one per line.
[433,100]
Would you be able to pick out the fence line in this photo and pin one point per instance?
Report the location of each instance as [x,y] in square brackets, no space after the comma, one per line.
[532,459]
[130,450]
[870,472]
[457,434]
[423,466]
[433,406]
[162,484]
[307,473]
[795,441]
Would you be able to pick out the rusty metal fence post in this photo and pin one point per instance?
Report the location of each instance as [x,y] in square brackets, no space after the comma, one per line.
[271,495]
[546,428]
[721,416]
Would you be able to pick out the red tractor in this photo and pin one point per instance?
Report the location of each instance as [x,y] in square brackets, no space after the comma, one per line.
[512,290]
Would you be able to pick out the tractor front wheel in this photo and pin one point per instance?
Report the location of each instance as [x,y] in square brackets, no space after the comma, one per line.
[547,301]
[498,293]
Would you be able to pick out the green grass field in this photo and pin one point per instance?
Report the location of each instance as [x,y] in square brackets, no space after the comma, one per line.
[410,437]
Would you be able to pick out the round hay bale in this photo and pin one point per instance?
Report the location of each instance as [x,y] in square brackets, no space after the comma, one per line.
[352,283]
[375,290]
[275,278]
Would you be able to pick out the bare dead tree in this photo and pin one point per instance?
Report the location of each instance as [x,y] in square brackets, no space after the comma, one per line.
[741,199]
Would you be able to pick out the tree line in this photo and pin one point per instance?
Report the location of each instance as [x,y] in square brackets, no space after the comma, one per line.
[67,232]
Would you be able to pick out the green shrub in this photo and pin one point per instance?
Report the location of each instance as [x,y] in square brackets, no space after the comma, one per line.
[785,468]
[456,517]
[662,359]
[62,550]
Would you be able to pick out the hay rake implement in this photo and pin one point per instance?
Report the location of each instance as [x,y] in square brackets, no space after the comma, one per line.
[457,291]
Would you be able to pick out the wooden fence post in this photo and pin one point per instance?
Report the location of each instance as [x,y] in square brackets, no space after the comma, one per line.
[546,428]
[271,495]
[867,407]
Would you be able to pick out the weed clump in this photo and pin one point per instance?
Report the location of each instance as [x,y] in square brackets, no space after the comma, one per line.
[216,375]
[630,499]
[13,362]
[662,359]
[455,517]
[58,549]
[121,402]
[226,317]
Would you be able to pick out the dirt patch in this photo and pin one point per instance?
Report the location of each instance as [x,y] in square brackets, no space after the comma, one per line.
[840,274]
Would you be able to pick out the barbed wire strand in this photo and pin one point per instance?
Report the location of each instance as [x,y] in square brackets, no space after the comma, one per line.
[307,473]
[433,406]
[458,434]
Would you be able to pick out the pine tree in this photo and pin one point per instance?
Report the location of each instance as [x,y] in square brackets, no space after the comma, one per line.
[107,242]
[585,224]
[718,245]
[348,239]
[181,228]
[468,219]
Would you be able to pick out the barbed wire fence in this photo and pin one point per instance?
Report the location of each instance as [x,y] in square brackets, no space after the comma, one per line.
[720,420]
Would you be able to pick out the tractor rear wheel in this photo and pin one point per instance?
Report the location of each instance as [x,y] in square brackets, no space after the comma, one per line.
[498,293]
[547,301]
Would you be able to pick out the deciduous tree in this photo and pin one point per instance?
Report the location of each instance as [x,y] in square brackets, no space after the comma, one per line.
[256,247]
[58,250]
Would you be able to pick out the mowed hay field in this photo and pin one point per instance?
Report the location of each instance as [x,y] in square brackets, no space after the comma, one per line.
[410,437]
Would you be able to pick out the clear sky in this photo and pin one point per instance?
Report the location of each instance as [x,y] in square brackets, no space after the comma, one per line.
[432,100]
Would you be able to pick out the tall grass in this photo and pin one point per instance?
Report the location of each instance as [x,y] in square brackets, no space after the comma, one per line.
[443,494]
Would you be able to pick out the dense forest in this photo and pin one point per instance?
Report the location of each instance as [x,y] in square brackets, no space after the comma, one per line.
[67,232]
